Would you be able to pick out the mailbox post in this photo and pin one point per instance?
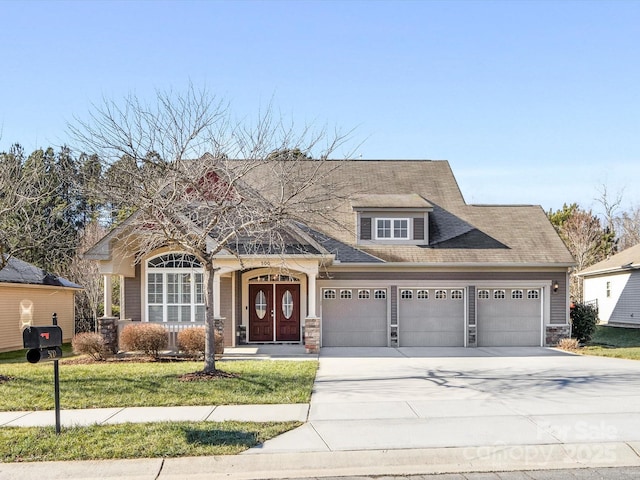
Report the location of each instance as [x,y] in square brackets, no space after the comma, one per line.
[45,344]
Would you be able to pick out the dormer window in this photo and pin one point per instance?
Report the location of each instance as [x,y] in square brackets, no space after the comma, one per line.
[392,219]
[392,228]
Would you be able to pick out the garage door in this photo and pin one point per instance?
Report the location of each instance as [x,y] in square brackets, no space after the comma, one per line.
[509,317]
[431,318]
[354,317]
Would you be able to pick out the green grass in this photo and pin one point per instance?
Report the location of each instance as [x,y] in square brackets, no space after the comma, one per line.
[175,439]
[117,384]
[615,342]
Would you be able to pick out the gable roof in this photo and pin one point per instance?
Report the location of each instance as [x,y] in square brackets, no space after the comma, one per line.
[21,272]
[628,259]
[459,233]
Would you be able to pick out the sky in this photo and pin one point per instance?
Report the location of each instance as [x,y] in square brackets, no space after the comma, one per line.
[531,102]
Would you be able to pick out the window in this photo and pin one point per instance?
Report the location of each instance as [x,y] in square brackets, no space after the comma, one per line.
[392,228]
[422,294]
[406,294]
[441,294]
[364,294]
[533,294]
[498,294]
[608,289]
[516,294]
[329,294]
[175,289]
[380,294]
[456,294]
[345,294]
[483,294]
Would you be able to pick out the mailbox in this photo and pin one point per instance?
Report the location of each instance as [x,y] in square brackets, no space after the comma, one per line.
[36,355]
[43,343]
[42,337]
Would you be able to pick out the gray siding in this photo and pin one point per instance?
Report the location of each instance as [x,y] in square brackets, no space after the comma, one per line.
[133,296]
[393,294]
[627,309]
[226,307]
[559,302]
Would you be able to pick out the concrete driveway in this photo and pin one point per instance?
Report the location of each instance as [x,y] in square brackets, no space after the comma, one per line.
[405,398]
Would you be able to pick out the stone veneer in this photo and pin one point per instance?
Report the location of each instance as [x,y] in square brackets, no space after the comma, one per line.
[312,335]
[555,333]
[108,328]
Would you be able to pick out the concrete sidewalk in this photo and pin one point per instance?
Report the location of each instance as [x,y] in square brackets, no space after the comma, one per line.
[105,416]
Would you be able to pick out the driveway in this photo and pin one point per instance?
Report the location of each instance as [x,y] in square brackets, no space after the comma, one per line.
[385,398]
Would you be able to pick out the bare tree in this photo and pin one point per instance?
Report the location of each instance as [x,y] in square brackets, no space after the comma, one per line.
[85,273]
[628,228]
[198,181]
[584,237]
[610,206]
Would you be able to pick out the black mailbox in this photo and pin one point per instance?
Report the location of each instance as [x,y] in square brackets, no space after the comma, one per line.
[42,337]
[48,354]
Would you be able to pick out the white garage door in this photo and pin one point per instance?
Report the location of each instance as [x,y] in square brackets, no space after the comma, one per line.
[354,317]
[431,317]
[509,317]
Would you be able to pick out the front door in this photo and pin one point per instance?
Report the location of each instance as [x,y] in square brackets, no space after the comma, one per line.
[274,307]
[261,313]
[287,312]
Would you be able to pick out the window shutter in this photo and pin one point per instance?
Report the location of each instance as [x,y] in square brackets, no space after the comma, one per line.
[418,228]
[365,228]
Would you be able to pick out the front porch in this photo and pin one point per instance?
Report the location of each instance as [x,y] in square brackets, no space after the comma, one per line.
[257,301]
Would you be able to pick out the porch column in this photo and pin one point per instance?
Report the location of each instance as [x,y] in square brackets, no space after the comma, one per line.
[216,294]
[311,294]
[312,322]
[108,292]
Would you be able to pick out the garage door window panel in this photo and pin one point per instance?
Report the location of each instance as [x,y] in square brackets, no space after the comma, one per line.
[498,294]
[364,294]
[345,294]
[517,294]
[456,295]
[380,294]
[406,294]
[441,294]
[329,294]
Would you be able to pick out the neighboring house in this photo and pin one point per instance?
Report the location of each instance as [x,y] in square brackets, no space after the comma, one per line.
[613,285]
[30,296]
[413,265]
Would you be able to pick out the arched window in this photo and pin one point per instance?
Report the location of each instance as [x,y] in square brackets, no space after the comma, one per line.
[175,289]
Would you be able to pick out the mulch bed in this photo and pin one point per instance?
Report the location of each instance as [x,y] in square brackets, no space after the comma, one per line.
[205,376]
[4,378]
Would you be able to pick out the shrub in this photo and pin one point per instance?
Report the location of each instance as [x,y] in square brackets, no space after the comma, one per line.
[149,338]
[192,341]
[91,344]
[584,319]
[569,344]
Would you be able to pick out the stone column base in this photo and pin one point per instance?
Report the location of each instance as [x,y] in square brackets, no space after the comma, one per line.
[312,335]
[555,333]
[108,328]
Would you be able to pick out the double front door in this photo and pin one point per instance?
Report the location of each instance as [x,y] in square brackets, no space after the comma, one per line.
[274,312]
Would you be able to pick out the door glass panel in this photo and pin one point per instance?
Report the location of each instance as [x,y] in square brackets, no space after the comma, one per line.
[261,304]
[287,304]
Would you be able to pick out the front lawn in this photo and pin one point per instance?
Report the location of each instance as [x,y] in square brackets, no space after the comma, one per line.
[151,440]
[130,384]
[614,342]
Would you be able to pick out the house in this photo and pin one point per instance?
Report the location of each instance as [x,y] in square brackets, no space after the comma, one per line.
[411,265]
[613,285]
[30,296]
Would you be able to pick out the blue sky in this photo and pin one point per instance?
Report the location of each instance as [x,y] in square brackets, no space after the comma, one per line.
[531,102]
